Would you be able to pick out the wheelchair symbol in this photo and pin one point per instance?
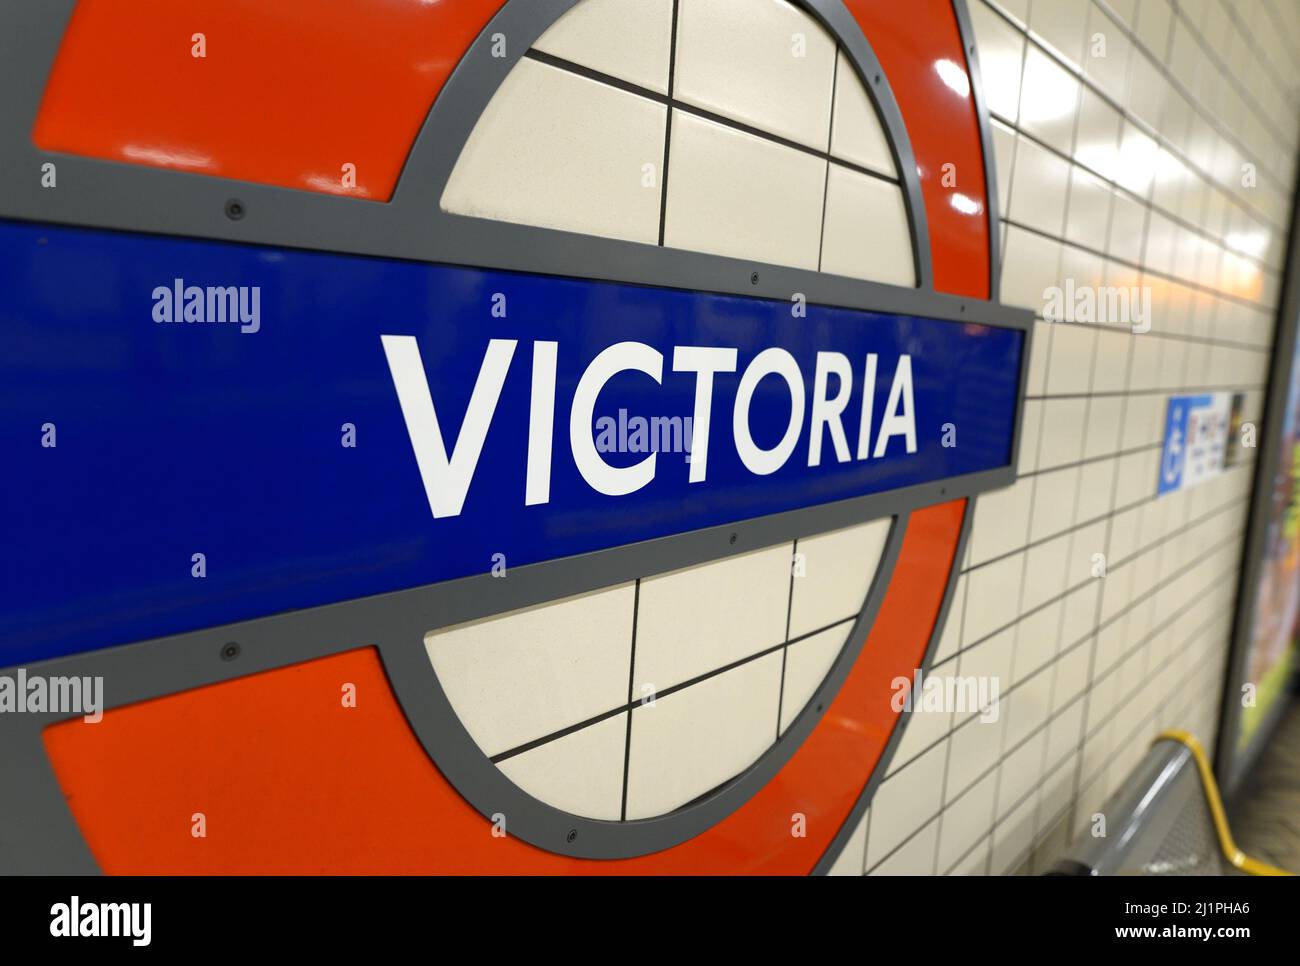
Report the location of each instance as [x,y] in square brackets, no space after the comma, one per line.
[1172,464]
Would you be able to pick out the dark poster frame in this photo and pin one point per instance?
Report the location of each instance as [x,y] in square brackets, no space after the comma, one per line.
[1231,767]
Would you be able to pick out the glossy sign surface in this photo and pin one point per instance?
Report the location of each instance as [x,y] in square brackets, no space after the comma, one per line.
[283,93]
[179,438]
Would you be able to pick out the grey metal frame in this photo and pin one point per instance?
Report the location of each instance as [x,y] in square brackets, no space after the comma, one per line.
[1229,766]
[1142,813]
[37,831]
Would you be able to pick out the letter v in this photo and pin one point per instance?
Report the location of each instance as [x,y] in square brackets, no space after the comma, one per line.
[446,481]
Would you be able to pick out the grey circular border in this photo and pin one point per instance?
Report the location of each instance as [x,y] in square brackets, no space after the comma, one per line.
[482,783]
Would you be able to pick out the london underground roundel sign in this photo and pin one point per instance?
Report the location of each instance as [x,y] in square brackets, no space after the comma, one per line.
[359,477]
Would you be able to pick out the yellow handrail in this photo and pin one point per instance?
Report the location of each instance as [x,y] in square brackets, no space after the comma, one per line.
[1234,855]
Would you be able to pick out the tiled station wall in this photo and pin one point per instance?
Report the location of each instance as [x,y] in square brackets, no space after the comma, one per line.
[693,124]
[1122,169]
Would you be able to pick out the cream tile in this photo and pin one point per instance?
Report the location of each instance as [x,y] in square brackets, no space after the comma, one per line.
[740,59]
[1087,270]
[867,234]
[1110,73]
[975,749]
[581,773]
[856,132]
[904,802]
[557,150]
[1080,613]
[732,193]
[1152,27]
[974,862]
[838,568]
[1017,10]
[1103,426]
[1028,269]
[1144,364]
[1049,99]
[1036,639]
[521,676]
[1001,50]
[1063,734]
[691,741]
[1054,800]
[922,729]
[853,855]
[807,663]
[1111,368]
[991,597]
[1088,217]
[1125,9]
[1127,227]
[1001,521]
[1038,188]
[1045,572]
[1147,91]
[1096,486]
[1062,438]
[1060,23]
[1004,150]
[1013,838]
[915,857]
[991,660]
[1073,346]
[950,641]
[1027,708]
[966,821]
[1019,769]
[696,620]
[1054,503]
[627,39]
[1033,421]
[1138,156]
[1096,143]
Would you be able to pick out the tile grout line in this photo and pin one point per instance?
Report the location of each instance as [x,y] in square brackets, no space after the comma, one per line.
[785,649]
[631,680]
[559,63]
[668,127]
[681,686]
[826,177]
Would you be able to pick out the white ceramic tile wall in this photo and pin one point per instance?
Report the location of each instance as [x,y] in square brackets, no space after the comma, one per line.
[734,193]
[522,676]
[693,740]
[577,166]
[772,149]
[1115,170]
[857,134]
[681,632]
[865,218]
[581,772]
[764,63]
[835,575]
[806,664]
[627,39]
[720,659]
